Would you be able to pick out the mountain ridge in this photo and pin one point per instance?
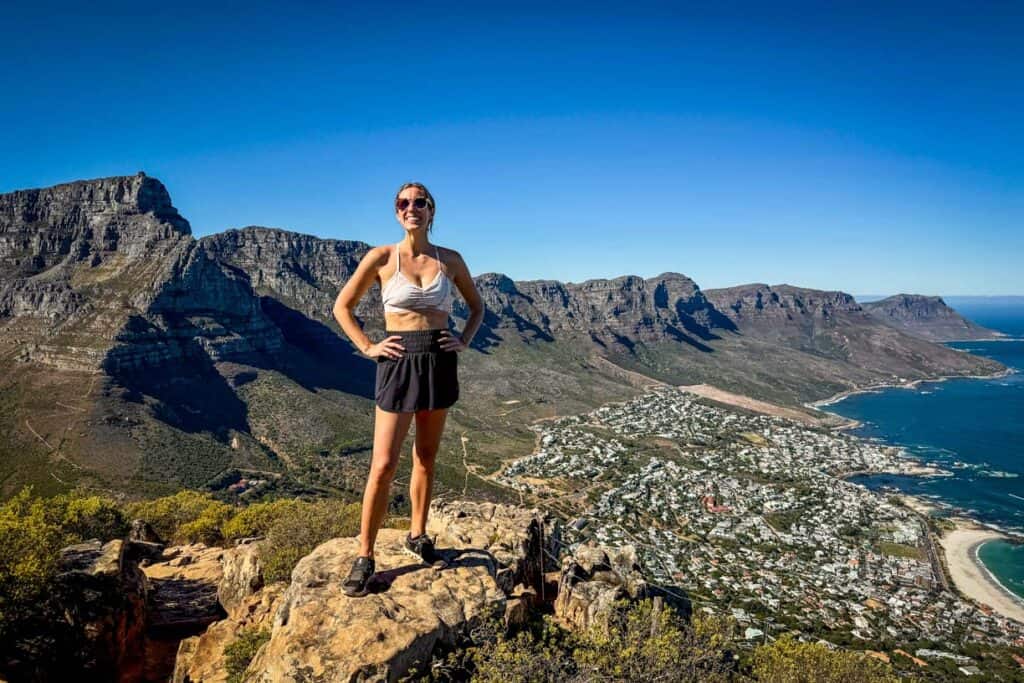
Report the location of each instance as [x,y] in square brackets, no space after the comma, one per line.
[183,358]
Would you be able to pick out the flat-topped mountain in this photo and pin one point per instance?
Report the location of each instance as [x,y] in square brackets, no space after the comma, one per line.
[927,317]
[135,356]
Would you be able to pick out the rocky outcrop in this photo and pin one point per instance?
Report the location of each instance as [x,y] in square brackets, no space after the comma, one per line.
[91,221]
[103,595]
[321,634]
[594,579]
[622,311]
[927,317]
[524,542]
[494,554]
[242,574]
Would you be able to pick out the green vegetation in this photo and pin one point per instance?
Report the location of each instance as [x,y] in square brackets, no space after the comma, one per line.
[32,532]
[185,517]
[900,550]
[635,643]
[238,654]
[782,521]
[790,661]
[298,530]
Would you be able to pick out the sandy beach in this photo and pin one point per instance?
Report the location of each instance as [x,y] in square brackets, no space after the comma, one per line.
[961,547]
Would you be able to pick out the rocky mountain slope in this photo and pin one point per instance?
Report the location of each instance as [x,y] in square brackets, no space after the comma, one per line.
[927,317]
[136,357]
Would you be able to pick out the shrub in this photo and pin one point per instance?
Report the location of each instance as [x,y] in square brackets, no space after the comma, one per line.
[29,547]
[638,643]
[791,661]
[185,517]
[81,518]
[299,529]
[256,519]
[239,653]
[635,643]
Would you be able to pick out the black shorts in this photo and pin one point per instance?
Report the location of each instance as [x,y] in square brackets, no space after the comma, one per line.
[424,378]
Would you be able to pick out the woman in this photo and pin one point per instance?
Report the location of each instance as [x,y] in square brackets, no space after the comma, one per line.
[417,365]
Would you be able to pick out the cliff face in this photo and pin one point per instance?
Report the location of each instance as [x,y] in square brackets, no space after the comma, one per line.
[621,311]
[927,317]
[106,273]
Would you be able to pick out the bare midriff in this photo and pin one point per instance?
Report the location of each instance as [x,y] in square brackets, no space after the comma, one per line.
[416,320]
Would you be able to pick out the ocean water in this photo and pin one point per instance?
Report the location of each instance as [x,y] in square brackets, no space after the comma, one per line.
[974,428]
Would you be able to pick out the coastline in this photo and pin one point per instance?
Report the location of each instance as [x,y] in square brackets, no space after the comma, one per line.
[836,398]
[969,573]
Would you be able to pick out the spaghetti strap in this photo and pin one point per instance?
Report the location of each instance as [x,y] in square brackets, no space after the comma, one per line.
[398,254]
[440,263]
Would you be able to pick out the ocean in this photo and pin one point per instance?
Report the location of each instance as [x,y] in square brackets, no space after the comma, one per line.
[973,428]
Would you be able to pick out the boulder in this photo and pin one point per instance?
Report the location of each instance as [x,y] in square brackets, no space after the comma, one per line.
[321,634]
[103,597]
[242,574]
[593,579]
[526,543]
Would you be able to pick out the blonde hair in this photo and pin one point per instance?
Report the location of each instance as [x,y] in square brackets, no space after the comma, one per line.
[430,200]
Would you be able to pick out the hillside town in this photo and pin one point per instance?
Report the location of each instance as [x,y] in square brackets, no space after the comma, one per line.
[751,514]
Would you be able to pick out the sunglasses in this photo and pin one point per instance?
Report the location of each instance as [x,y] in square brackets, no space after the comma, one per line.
[417,203]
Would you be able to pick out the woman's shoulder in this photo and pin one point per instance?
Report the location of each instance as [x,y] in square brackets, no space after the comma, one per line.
[379,255]
[448,256]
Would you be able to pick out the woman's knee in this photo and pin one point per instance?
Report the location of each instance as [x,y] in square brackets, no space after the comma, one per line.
[383,469]
[424,458]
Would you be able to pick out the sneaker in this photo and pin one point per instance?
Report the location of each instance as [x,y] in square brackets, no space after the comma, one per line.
[422,548]
[355,585]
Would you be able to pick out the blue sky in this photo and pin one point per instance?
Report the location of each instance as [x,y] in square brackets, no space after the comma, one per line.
[872,148]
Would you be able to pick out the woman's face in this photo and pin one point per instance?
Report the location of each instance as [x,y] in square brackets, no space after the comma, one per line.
[407,213]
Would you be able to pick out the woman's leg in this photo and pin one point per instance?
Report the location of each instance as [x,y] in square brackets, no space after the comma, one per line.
[429,427]
[389,431]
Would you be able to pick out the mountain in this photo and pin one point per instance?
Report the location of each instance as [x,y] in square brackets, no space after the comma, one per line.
[137,358]
[927,317]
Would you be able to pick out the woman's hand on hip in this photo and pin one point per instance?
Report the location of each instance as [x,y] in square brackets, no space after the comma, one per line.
[388,348]
[449,342]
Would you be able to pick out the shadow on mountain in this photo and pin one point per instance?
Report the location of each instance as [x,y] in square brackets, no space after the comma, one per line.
[325,361]
[719,320]
[684,338]
[191,395]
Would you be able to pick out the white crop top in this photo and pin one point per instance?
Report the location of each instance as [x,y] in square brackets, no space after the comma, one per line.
[401,296]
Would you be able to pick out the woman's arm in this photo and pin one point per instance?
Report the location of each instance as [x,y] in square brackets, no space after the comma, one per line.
[467,288]
[352,293]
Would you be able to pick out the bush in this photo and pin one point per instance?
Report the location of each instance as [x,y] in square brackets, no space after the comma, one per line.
[640,644]
[299,529]
[635,643]
[29,549]
[185,517]
[239,653]
[791,661]
[257,519]
[81,518]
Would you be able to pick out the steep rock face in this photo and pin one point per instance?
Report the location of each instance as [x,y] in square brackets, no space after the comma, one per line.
[87,221]
[92,626]
[622,311]
[105,273]
[927,317]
